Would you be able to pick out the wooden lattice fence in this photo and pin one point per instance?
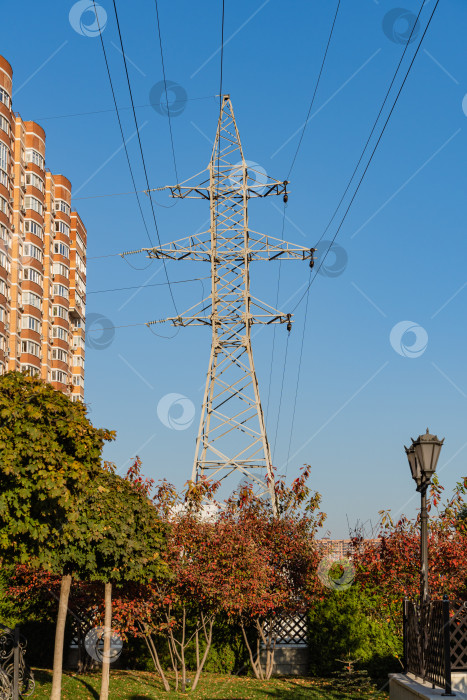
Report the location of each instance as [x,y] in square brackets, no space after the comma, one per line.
[290,630]
[458,624]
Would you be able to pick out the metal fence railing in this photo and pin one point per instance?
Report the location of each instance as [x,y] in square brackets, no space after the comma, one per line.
[16,678]
[435,640]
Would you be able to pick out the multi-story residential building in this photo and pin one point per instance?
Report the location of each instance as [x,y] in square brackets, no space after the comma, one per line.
[340,549]
[42,258]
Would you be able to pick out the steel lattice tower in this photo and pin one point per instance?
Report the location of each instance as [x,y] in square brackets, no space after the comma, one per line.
[232,434]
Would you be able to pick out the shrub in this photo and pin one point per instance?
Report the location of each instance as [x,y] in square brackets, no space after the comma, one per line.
[349,623]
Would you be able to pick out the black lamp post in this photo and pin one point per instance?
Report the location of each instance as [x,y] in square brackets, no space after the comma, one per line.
[423,455]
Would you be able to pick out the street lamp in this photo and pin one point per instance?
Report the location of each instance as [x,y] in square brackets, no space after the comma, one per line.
[423,455]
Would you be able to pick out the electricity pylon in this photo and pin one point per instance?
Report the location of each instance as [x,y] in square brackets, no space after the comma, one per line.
[232,434]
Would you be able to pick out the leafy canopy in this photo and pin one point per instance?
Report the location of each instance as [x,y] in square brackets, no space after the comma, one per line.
[49,451]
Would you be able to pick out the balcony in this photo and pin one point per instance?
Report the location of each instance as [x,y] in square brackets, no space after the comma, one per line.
[76,311]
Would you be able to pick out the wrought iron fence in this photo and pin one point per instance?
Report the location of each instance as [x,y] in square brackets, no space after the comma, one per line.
[412,639]
[435,640]
[16,678]
[437,643]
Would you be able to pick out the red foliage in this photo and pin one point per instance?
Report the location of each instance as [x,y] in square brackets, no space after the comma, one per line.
[393,568]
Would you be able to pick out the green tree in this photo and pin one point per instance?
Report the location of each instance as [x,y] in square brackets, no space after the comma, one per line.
[342,624]
[123,540]
[49,453]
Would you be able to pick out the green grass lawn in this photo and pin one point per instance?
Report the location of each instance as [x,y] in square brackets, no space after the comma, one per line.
[137,685]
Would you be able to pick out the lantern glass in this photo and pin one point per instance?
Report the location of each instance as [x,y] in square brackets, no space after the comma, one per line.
[414,464]
[427,449]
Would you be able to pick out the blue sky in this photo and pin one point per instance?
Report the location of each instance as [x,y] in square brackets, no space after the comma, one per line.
[360,396]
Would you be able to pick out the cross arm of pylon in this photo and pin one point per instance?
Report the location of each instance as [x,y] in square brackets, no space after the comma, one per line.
[197,315]
[264,247]
[259,247]
[201,315]
[267,314]
[197,247]
[229,189]
[231,183]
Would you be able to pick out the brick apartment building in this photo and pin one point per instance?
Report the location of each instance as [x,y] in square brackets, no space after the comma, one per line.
[339,549]
[42,258]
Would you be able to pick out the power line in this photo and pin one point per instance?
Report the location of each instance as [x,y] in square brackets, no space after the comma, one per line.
[117,194]
[166,94]
[280,396]
[141,148]
[105,111]
[415,24]
[316,89]
[120,124]
[143,286]
[372,154]
[312,278]
[283,219]
[298,378]
[274,329]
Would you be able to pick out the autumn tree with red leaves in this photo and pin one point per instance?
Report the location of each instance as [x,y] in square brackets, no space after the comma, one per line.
[286,562]
[237,559]
[391,570]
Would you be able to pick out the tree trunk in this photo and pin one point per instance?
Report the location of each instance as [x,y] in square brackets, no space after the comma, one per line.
[107,634]
[255,662]
[56,692]
[155,658]
[208,638]
[182,651]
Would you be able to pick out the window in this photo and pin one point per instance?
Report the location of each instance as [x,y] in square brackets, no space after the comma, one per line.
[59,332]
[59,354]
[77,380]
[4,97]
[4,124]
[60,311]
[3,205]
[3,288]
[4,156]
[62,227]
[61,269]
[76,398]
[78,342]
[33,156]
[61,290]
[30,347]
[31,226]
[62,249]
[2,317]
[4,164]
[32,251]
[79,242]
[78,361]
[59,376]
[35,181]
[30,369]
[29,273]
[5,234]
[31,323]
[61,205]
[4,262]
[31,299]
[80,264]
[34,204]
